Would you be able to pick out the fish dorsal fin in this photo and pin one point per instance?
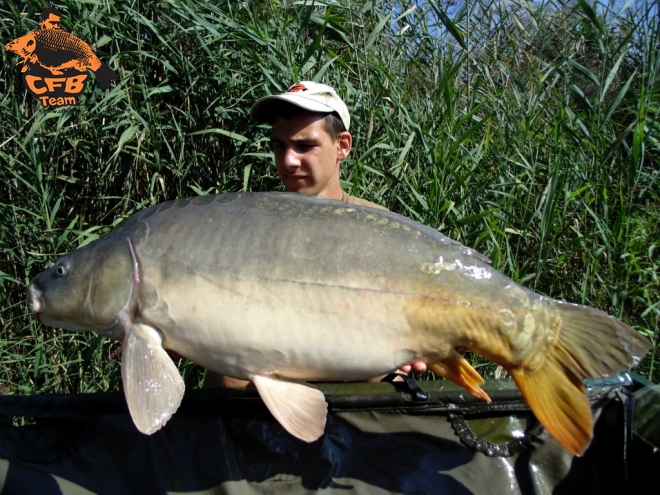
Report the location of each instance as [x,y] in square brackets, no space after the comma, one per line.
[299,407]
[152,383]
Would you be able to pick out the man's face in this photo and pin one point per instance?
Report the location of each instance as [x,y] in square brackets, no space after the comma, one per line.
[306,157]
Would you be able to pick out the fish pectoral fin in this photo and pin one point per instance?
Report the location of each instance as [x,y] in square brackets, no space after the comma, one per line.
[152,383]
[456,369]
[299,407]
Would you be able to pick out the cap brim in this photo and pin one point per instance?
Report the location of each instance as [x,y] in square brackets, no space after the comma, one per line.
[261,110]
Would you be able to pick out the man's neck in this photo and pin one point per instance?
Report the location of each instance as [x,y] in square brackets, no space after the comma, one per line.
[332,191]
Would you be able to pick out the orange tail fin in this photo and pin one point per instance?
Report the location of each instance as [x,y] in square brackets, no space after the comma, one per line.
[556,396]
[590,344]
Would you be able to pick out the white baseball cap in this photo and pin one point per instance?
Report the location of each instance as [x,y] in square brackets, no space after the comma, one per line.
[312,96]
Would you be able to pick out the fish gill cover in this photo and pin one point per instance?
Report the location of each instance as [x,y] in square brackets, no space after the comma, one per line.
[55,62]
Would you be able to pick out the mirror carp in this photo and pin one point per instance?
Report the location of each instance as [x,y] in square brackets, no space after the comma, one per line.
[284,288]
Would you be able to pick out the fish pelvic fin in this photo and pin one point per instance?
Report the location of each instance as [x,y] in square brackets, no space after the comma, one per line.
[152,383]
[456,369]
[299,407]
[588,344]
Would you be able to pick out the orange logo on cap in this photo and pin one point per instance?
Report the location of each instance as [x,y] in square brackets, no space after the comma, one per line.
[296,87]
[51,51]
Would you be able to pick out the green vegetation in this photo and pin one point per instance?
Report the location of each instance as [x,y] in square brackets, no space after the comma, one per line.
[529,131]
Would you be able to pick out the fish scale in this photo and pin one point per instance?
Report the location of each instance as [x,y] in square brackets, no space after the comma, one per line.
[282,288]
[65,46]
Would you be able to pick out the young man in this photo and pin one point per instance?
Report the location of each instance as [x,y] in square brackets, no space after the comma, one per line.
[310,139]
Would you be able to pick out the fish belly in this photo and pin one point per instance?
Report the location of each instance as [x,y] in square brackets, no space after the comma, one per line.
[292,330]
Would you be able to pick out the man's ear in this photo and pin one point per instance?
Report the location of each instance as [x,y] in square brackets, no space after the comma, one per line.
[344,144]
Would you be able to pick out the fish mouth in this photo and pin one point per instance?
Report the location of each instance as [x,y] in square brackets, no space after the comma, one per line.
[35,302]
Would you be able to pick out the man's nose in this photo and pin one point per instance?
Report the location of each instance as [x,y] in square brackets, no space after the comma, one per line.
[290,158]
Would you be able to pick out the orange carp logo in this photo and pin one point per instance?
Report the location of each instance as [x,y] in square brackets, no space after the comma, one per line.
[55,62]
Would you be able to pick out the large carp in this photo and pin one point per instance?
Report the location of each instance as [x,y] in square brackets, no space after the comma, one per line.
[283,288]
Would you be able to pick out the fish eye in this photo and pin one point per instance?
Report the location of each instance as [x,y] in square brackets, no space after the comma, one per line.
[61,270]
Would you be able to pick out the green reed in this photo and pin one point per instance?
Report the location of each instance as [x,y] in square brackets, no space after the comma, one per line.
[528,131]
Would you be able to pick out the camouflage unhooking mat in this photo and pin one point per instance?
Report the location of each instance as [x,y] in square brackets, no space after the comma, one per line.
[402,437]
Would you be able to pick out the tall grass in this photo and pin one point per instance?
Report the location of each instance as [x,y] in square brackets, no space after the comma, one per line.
[528,131]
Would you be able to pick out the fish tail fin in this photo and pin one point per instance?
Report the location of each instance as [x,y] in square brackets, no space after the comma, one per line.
[589,344]
[556,396]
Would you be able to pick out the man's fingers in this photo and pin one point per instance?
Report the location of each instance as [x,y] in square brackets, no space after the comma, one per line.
[419,367]
[414,367]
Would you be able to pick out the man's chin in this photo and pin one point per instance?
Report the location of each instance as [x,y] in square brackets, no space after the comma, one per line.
[299,187]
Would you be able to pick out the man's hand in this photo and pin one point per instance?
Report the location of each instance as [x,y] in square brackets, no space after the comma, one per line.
[420,366]
[416,367]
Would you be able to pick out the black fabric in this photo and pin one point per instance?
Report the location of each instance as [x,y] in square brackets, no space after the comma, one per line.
[380,438]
